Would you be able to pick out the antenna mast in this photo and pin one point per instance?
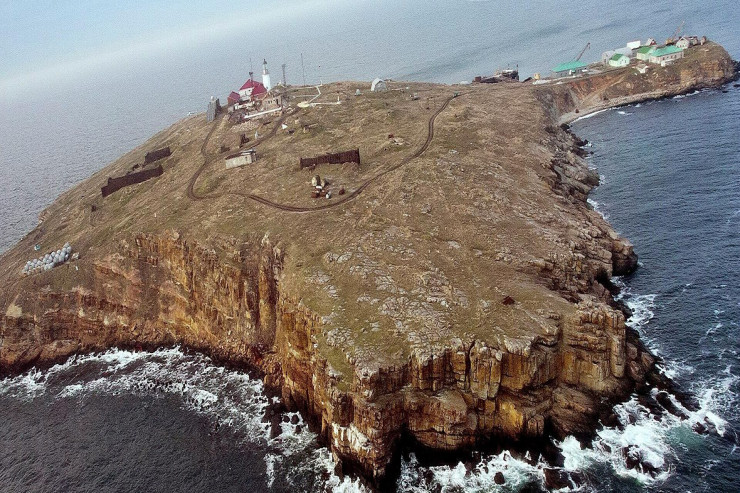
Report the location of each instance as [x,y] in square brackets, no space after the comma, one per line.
[303,68]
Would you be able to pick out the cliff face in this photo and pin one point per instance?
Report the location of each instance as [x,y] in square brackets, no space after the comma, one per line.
[226,300]
[156,290]
[459,300]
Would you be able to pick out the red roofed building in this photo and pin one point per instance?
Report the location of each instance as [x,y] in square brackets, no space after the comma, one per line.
[233,98]
[251,88]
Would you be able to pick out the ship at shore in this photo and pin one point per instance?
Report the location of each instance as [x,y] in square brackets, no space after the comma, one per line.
[505,75]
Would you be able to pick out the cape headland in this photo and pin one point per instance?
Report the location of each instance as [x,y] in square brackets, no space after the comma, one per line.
[452,289]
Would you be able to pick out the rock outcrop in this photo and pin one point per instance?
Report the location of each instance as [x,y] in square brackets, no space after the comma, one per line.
[462,301]
[225,300]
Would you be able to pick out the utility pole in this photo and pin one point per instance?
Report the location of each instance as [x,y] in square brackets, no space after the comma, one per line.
[285,81]
[303,68]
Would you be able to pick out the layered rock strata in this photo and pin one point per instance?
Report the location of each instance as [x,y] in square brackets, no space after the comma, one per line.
[464,300]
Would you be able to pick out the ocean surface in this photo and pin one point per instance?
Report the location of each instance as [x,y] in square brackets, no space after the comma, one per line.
[175,421]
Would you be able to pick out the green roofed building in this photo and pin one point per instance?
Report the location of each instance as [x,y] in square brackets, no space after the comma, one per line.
[643,52]
[619,60]
[666,55]
[569,68]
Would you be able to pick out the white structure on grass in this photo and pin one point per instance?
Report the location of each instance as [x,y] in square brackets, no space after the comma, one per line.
[378,85]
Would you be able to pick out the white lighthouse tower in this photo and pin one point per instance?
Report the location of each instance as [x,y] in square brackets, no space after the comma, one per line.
[266,76]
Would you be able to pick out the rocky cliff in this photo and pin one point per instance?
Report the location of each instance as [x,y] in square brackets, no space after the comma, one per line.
[461,299]
[705,66]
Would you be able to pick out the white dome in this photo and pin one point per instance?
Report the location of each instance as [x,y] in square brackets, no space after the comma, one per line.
[378,85]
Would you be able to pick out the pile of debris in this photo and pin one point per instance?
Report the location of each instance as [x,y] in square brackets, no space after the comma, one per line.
[320,188]
[50,260]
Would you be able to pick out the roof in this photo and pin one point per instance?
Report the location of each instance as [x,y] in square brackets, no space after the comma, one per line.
[241,153]
[617,56]
[376,82]
[645,49]
[233,95]
[666,50]
[568,66]
[257,87]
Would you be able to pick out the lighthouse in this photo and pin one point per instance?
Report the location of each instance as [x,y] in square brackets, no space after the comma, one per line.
[265,76]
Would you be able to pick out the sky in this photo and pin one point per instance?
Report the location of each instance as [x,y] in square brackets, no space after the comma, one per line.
[439,40]
[39,35]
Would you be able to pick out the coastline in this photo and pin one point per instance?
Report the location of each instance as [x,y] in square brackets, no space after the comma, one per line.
[568,182]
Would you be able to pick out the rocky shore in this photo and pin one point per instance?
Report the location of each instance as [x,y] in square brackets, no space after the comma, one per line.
[462,298]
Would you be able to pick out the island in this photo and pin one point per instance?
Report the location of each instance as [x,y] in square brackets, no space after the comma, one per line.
[414,263]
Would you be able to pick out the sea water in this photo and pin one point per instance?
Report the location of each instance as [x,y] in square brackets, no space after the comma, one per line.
[174,421]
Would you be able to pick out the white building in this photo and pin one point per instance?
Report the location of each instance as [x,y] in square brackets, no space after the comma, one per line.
[643,52]
[619,60]
[266,76]
[241,158]
[666,55]
[607,55]
[683,43]
[633,45]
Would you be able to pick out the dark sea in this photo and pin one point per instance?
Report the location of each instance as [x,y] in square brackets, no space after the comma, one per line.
[172,421]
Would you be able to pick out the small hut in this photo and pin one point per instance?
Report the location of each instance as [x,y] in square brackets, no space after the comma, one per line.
[378,85]
[233,98]
[242,158]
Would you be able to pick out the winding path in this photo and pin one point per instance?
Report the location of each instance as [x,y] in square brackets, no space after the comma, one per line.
[291,208]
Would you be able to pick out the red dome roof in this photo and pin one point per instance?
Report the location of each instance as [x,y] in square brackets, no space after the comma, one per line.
[257,88]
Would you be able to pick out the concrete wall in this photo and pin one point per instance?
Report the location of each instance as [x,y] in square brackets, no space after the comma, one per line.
[116,183]
[153,156]
[352,156]
[666,59]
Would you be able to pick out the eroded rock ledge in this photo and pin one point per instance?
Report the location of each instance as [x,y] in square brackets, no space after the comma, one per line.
[454,314]
[226,300]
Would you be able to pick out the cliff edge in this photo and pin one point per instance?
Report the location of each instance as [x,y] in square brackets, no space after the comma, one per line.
[456,292]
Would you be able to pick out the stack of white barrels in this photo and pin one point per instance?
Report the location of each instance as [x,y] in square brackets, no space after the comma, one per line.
[48,261]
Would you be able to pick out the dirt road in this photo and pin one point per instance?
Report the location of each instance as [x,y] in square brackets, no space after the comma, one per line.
[290,208]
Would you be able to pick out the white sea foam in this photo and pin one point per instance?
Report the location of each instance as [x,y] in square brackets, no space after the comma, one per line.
[590,115]
[682,96]
[517,473]
[645,448]
[623,112]
[641,436]
[597,207]
[649,439]
[643,310]
[231,398]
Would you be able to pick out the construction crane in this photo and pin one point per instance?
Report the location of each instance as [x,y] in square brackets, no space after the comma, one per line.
[588,45]
[672,40]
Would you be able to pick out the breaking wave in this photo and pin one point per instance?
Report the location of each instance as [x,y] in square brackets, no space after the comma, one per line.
[491,473]
[597,207]
[682,96]
[229,398]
